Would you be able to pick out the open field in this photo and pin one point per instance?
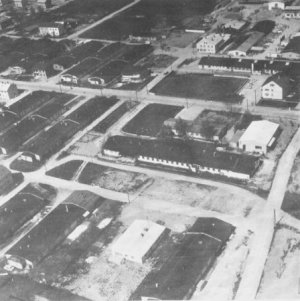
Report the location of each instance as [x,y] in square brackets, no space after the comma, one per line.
[113,179]
[85,13]
[281,275]
[149,121]
[157,61]
[201,86]
[65,171]
[144,18]
[201,196]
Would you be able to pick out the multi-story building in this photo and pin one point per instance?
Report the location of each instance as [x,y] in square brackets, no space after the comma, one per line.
[52,29]
[212,43]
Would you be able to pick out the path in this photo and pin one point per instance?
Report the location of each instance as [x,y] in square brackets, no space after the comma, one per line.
[265,224]
[78,33]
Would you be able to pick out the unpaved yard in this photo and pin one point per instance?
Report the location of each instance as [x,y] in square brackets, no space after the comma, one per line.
[112,179]
[104,280]
[206,197]
[281,274]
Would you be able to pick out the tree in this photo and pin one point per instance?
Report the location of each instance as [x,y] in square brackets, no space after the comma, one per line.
[180,127]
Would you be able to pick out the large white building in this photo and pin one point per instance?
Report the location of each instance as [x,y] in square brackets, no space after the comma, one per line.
[259,136]
[8,91]
[212,43]
[138,241]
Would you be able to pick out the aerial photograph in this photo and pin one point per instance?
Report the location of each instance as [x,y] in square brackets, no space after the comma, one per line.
[149,150]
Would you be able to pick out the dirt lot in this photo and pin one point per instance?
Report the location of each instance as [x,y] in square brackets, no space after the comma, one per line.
[281,275]
[114,278]
[201,86]
[112,179]
[206,197]
[65,171]
[157,61]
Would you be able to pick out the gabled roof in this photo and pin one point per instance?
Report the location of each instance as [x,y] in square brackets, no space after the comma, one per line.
[293,45]
[281,79]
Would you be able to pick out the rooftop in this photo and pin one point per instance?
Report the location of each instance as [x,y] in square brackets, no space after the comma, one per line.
[190,152]
[139,237]
[260,130]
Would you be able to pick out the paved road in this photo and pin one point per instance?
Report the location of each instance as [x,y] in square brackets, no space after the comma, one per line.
[265,224]
[143,96]
[78,33]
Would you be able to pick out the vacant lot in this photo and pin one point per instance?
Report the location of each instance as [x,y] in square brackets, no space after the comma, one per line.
[149,121]
[201,86]
[65,171]
[201,196]
[111,178]
[149,16]
[281,275]
[157,61]
[104,280]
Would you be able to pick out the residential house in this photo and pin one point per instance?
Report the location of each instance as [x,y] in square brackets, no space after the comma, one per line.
[134,74]
[277,86]
[8,91]
[43,4]
[212,43]
[138,241]
[276,4]
[42,70]
[52,29]
[259,137]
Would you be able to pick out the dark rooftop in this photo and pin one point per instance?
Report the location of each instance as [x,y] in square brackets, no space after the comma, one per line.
[191,152]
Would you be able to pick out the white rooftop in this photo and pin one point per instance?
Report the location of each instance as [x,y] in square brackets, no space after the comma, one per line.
[138,239]
[214,38]
[235,24]
[189,114]
[4,86]
[261,130]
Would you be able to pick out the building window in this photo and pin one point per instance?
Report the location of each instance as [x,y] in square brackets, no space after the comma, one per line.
[258,147]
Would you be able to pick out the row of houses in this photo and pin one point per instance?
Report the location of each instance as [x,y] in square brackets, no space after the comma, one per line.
[247,65]
[191,155]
